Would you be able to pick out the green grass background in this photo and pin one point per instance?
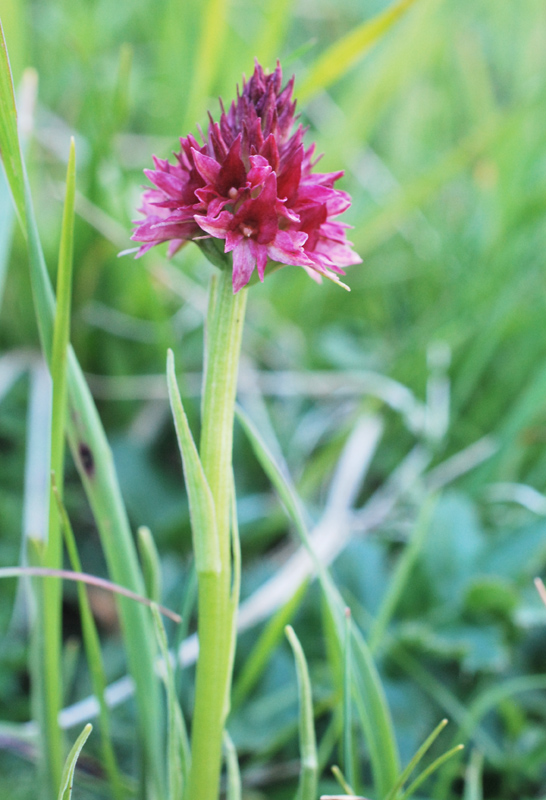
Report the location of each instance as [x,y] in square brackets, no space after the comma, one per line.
[440,131]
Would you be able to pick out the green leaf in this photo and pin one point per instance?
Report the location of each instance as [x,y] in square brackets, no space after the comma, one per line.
[307,789]
[203,517]
[67,781]
[344,54]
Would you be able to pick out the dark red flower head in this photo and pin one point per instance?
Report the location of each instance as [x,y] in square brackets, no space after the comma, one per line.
[250,184]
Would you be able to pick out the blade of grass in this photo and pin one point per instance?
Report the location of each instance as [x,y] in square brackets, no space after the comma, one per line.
[345,53]
[67,781]
[214,29]
[340,778]
[491,698]
[235,586]
[348,744]
[329,740]
[151,567]
[90,449]
[15,22]
[276,22]
[427,744]
[178,748]
[307,788]
[7,218]
[95,663]
[430,770]
[233,791]
[92,580]
[203,517]
[261,652]
[121,95]
[473,777]
[370,697]
[376,230]
[400,577]
[51,591]
[9,140]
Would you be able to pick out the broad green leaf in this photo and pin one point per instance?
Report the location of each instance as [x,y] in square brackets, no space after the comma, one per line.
[307,789]
[203,519]
[341,56]
[67,781]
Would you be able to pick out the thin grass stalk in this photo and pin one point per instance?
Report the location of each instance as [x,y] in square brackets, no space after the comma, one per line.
[215,608]
[307,788]
[401,576]
[412,788]
[348,748]
[421,752]
[95,663]
[262,650]
[50,592]
[234,784]
[67,781]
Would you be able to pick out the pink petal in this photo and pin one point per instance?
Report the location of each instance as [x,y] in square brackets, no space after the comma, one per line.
[232,175]
[168,183]
[288,248]
[216,226]
[208,168]
[232,240]
[244,262]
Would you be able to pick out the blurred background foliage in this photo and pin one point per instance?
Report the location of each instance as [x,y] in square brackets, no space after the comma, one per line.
[440,130]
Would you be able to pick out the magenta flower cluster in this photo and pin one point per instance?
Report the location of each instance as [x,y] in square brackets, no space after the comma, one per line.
[252,185]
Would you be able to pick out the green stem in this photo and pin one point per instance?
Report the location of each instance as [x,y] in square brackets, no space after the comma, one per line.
[216,612]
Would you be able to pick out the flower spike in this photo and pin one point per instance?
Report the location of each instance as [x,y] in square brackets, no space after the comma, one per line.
[252,185]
